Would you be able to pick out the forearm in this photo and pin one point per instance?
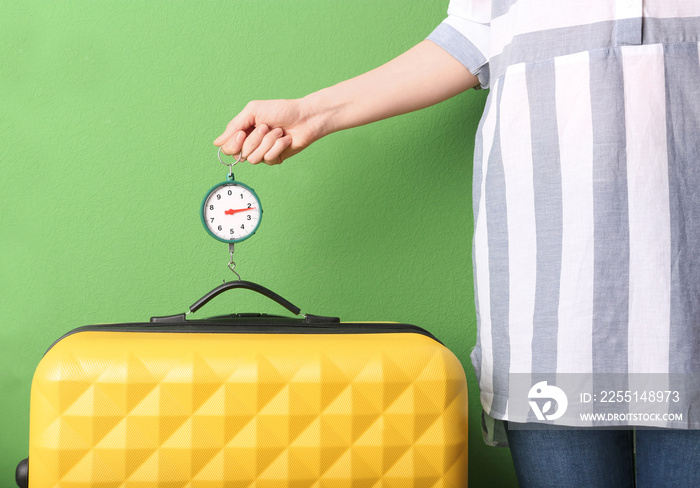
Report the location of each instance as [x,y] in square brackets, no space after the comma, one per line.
[422,76]
[274,130]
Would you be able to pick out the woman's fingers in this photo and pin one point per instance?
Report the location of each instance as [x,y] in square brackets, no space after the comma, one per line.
[242,144]
[268,141]
[223,138]
[263,132]
[273,156]
[253,140]
[244,122]
[234,144]
[261,145]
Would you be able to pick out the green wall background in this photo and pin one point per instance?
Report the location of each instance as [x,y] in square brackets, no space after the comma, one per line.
[109,109]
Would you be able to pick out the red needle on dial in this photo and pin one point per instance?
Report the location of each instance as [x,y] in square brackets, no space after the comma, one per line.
[232,211]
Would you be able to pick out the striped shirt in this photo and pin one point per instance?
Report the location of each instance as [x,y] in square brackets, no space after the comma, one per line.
[586,188]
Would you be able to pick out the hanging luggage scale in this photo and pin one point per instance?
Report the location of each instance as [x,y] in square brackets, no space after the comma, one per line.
[231,211]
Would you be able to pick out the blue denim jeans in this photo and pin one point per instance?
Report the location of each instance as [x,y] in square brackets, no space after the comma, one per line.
[606,458]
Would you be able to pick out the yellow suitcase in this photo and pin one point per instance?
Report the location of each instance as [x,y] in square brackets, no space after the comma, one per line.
[247,401]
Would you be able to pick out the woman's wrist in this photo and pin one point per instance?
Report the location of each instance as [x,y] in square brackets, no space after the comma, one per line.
[322,111]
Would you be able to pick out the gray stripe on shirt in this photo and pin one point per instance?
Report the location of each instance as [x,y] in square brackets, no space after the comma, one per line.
[497,230]
[610,213]
[478,174]
[501,7]
[657,31]
[462,49]
[682,127]
[547,44]
[547,185]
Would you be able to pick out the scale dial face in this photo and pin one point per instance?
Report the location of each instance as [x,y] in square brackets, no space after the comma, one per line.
[231,212]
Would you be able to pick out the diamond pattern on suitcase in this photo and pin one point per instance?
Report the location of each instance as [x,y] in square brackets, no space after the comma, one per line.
[113,409]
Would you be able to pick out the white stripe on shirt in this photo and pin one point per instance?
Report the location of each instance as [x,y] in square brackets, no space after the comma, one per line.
[574,350]
[516,152]
[665,9]
[649,212]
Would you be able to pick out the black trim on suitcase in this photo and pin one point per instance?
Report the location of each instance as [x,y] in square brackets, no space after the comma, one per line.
[268,325]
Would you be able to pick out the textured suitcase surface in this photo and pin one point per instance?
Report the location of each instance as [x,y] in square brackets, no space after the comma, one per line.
[218,405]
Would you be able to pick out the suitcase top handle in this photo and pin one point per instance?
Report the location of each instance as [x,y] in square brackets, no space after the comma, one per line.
[248,285]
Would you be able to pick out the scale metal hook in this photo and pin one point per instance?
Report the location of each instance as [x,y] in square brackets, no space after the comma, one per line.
[231,264]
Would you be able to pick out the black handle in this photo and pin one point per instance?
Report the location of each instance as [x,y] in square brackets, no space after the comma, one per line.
[248,285]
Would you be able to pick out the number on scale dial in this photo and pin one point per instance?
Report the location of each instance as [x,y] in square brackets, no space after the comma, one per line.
[231,212]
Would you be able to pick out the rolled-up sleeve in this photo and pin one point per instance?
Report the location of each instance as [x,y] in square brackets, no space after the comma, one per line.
[465,35]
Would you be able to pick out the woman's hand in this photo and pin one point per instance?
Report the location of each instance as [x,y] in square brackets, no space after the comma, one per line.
[270,131]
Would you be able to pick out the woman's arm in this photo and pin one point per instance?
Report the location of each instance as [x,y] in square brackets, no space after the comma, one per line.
[273,130]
